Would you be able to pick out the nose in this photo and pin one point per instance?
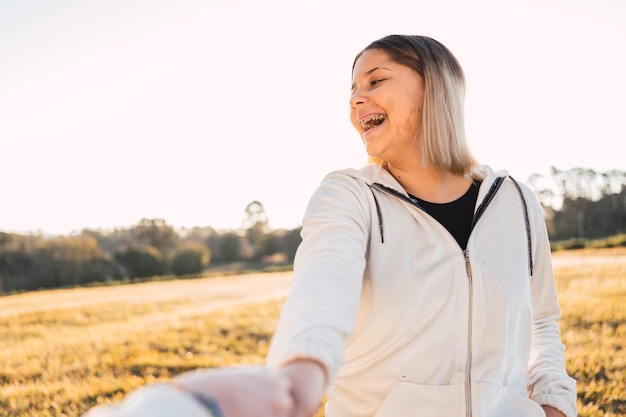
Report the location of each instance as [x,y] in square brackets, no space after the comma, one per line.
[356,99]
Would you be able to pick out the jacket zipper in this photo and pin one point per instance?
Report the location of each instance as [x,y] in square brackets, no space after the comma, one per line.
[468,269]
[468,363]
[470,279]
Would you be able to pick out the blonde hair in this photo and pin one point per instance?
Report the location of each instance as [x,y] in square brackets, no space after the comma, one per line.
[443,142]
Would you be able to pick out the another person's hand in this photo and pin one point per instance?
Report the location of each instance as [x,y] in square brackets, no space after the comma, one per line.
[551,411]
[308,384]
[242,392]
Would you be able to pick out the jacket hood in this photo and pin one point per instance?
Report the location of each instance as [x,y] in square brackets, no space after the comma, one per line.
[375,174]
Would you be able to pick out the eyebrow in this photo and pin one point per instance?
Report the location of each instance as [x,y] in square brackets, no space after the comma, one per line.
[371,72]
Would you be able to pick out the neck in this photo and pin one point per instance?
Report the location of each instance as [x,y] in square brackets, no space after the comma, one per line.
[429,184]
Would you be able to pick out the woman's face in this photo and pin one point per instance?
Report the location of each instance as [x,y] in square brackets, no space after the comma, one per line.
[386,107]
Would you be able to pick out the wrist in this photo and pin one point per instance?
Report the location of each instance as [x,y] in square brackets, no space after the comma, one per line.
[207,401]
[308,380]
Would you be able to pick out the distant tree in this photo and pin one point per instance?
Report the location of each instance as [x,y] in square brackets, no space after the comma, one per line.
[256,225]
[582,203]
[15,262]
[8,238]
[255,216]
[269,245]
[201,235]
[190,258]
[32,262]
[229,247]
[583,218]
[290,242]
[141,261]
[72,260]
[156,233]
[110,241]
[587,183]
[16,268]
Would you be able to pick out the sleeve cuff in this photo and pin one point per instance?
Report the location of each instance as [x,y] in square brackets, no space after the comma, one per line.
[158,400]
[559,403]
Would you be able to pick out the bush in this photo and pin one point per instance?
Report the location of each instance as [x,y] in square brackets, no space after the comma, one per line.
[141,261]
[229,247]
[191,258]
[616,241]
[576,243]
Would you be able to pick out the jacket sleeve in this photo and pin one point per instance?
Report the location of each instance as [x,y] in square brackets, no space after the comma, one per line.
[320,312]
[158,400]
[548,381]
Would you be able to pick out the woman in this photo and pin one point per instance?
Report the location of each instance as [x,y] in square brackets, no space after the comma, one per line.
[423,285]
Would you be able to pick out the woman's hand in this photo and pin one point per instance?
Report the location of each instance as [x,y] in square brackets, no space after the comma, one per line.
[242,392]
[551,411]
[308,384]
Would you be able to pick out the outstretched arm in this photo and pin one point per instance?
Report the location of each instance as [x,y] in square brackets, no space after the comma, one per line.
[228,392]
[241,392]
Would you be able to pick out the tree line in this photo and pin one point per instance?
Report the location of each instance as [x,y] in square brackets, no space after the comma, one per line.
[582,203]
[578,204]
[150,248]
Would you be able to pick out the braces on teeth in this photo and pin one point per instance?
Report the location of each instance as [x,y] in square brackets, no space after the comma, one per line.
[371,121]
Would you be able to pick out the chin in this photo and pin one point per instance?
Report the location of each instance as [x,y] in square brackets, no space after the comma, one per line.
[372,152]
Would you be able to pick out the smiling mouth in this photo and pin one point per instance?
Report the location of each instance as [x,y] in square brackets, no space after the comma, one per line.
[371,121]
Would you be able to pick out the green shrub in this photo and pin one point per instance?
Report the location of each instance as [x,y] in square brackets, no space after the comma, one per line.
[141,261]
[190,258]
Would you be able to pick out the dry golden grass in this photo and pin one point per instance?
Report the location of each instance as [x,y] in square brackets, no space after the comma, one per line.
[592,292]
[63,351]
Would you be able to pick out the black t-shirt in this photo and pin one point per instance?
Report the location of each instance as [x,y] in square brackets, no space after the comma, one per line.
[456,216]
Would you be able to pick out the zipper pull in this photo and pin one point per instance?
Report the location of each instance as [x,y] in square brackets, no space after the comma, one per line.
[468,267]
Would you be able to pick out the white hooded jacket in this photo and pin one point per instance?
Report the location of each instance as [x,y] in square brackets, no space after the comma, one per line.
[407,323]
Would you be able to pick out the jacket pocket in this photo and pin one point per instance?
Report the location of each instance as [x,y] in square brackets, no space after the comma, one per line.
[495,400]
[417,400]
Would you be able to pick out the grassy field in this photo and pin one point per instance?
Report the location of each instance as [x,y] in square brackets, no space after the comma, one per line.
[63,351]
[592,292]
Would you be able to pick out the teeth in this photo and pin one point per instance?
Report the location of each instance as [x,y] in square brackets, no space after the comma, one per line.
[371,121]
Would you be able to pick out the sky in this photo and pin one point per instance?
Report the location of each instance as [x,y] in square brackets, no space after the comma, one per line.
[112,111]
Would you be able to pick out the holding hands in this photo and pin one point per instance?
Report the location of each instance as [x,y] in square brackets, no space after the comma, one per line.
[307,380]
[230,392]
[242,392]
